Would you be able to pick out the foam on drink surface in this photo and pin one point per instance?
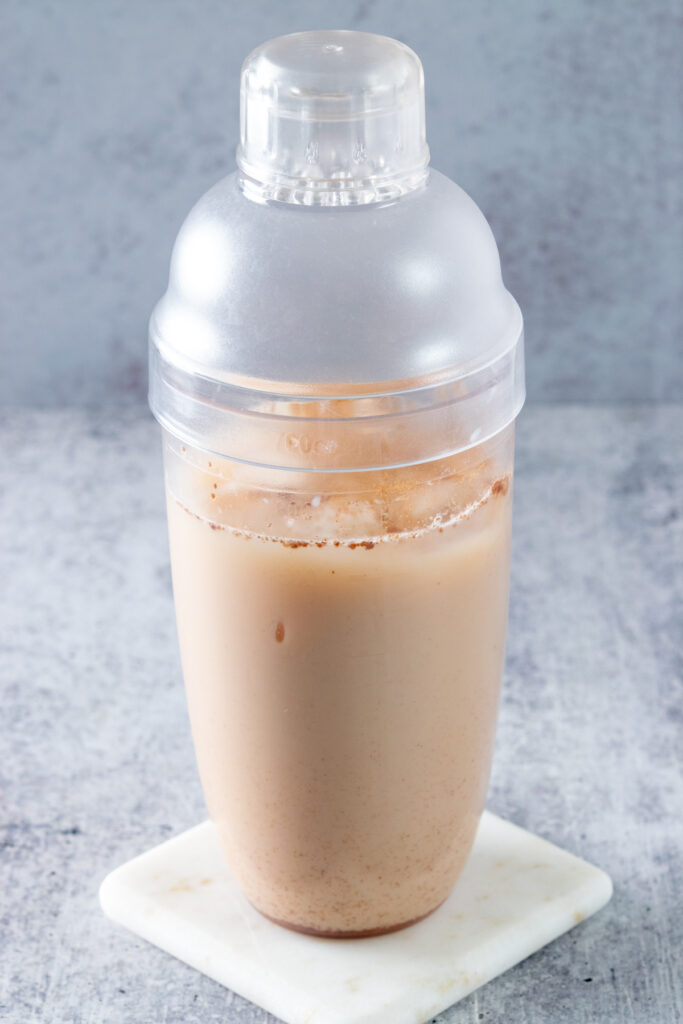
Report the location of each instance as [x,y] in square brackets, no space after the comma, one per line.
[384,510]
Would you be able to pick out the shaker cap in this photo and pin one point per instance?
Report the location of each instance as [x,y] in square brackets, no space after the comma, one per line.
[331,116]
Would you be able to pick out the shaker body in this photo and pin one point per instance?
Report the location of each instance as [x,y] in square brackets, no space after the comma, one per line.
[337,366]
[342,641]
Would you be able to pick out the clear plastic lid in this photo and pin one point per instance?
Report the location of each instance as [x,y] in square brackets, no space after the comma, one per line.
[332,118]
[335,304]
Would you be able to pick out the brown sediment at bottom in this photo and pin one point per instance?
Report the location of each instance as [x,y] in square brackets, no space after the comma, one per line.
[365,933]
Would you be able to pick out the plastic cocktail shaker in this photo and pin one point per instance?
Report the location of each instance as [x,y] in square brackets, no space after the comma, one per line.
[337,367]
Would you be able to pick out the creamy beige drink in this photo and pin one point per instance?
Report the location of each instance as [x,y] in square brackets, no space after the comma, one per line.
[342,656]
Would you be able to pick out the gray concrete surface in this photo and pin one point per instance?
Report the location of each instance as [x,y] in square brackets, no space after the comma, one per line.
[563,120]
[96,762]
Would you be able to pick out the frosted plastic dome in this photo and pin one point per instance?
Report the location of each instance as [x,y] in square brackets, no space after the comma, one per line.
[286,299]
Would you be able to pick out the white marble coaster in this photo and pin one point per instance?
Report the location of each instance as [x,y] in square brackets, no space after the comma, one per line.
[517,893]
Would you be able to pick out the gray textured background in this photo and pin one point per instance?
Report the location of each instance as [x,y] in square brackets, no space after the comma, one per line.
[563,120]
